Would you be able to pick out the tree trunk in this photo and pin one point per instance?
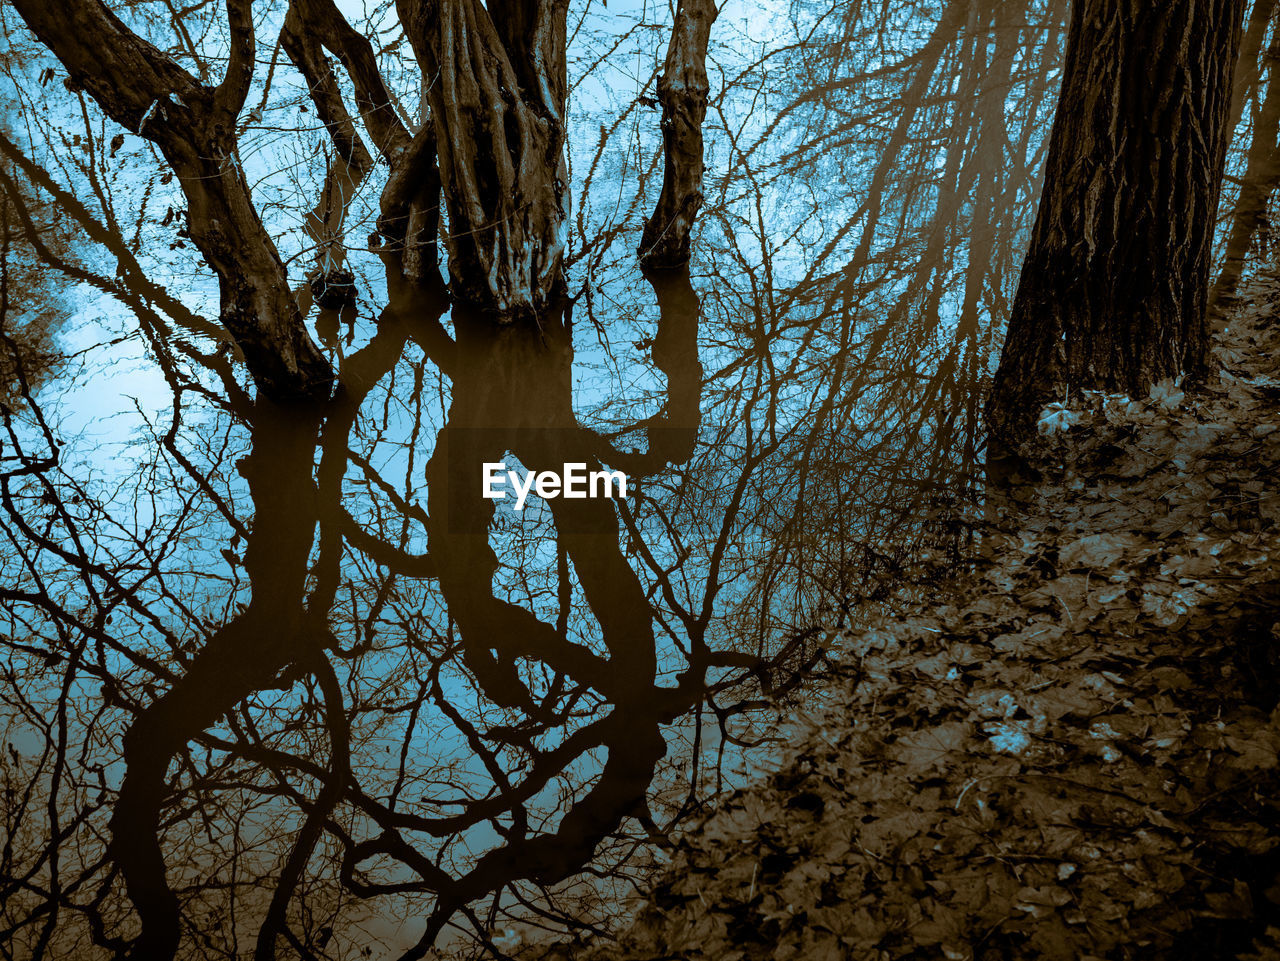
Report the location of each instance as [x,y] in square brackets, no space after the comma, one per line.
[1114,287]
[1260,181]
[1249,65]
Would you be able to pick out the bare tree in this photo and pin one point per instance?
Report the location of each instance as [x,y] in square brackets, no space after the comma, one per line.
[1248,213]
[493,148]
[292,682]
[910,160]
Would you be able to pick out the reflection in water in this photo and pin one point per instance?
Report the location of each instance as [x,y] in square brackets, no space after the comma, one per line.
[509,364]
[396,699]
[511,394]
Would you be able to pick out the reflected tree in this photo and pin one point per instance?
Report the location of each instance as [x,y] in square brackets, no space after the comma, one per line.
[490,163]
[280,680]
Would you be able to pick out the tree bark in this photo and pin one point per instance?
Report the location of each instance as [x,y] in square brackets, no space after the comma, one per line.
[1114,288]
[497,97]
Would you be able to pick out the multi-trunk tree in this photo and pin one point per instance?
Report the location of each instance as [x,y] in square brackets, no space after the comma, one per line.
[1114,288]
[489,162]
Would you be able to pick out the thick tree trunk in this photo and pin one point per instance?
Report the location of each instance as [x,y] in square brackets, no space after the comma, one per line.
[193,125]
[1114,288]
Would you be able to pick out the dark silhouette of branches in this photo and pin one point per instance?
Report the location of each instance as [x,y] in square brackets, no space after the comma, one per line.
[279,680]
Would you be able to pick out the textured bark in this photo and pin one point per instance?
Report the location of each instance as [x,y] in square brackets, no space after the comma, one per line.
[682,91]
[497,102]
[320,22]
[1115,284]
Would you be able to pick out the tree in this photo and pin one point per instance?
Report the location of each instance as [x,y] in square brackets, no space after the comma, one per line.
[908,143]
[358,706]
[1114,288]
[494,148]
[1261,175]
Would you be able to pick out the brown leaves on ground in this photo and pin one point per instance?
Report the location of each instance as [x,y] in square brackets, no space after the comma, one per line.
[1076,754]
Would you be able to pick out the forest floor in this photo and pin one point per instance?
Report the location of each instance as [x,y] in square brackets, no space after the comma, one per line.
[1070,752]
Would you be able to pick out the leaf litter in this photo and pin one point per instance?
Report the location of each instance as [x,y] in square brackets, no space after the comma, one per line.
[1073,754]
